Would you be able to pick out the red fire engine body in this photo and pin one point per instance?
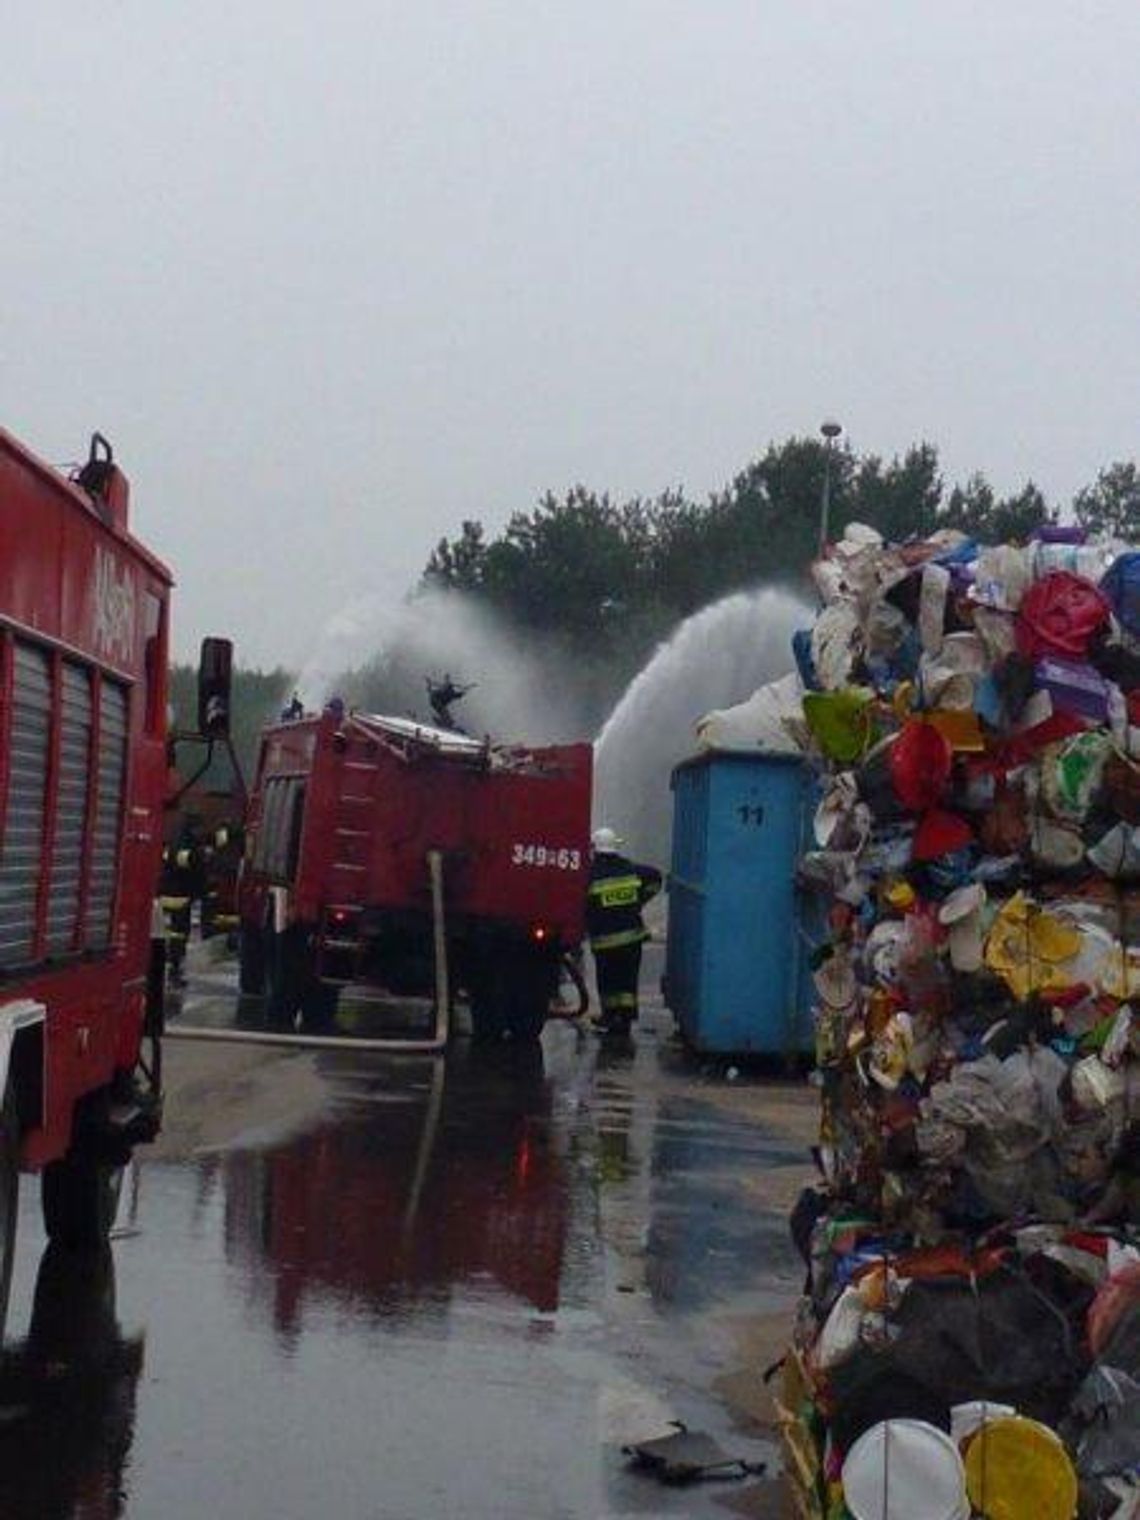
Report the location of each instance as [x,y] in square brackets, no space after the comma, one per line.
[83,660]
[335,887]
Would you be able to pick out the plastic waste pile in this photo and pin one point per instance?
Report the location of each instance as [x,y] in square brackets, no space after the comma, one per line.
[969,1340]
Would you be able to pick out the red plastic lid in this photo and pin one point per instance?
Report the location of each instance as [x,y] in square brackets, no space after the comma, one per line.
[1059,614]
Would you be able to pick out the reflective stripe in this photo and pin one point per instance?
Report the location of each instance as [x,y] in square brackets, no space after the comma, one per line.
[616,1000]
[619,938]
[174,903]
[616,891]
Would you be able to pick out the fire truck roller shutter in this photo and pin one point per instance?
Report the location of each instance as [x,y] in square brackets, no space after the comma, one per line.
[25,859]
[70,809]
[22,861]
[111,763]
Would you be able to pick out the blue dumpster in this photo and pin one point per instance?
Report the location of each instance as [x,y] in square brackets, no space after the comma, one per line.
[736,968]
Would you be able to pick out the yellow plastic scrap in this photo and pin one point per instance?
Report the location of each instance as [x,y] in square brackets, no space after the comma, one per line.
[1120,973]
[960,729]
[1017,1469]
[902,703]
[901,896]
[1028,947]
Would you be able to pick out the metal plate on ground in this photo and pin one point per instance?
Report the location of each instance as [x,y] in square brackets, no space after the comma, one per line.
[687,1456]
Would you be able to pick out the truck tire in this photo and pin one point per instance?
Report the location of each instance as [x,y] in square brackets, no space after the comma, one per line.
[526,1023]
[283,981]
[485,998]
[529,983]
[80,1197]
[9,1196]
[318,1006]
[251,960]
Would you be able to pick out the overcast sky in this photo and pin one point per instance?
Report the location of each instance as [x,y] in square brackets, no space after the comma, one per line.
[334,277]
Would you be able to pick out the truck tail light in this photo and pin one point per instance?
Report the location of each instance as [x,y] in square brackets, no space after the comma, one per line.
[341,921]
[540,934]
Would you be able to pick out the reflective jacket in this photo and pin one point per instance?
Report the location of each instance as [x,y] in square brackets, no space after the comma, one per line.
[618,890]
[183,869]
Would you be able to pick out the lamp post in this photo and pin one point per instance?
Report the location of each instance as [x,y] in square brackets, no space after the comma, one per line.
[831,431]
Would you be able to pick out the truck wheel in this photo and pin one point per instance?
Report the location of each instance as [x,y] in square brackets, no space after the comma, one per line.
[282,977]
[529,986]
[318,1006]
[526,1023]
[9,1196]
[251,960]
[80,1197]
[485,998]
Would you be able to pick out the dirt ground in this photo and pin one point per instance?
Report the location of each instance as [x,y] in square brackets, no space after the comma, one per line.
[759,1340]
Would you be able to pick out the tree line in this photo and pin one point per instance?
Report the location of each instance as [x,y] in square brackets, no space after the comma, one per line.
[600,582]
[590,569]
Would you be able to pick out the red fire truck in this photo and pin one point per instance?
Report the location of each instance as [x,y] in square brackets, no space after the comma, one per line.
[83,662]
[347,814]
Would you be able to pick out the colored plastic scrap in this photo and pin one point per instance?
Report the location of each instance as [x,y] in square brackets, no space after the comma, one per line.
[978,1021]
[1060,615]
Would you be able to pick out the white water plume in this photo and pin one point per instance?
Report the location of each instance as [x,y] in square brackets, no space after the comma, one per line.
[524,692]
[349,637]
[519,690]
[716,658]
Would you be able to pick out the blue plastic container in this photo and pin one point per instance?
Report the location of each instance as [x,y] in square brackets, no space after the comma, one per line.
[736,968]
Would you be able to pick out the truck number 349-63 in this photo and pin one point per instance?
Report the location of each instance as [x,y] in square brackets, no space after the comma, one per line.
[546,855]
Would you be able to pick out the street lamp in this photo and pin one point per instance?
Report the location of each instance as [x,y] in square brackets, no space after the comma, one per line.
[831,431]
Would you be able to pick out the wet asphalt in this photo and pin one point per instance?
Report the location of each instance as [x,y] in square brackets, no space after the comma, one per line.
[456,1293]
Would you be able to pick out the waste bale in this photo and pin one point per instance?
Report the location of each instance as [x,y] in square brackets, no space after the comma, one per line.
[974,712]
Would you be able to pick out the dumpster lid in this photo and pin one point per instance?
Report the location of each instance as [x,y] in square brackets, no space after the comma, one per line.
[709,757]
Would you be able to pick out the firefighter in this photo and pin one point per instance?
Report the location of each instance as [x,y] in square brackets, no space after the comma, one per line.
[220,858]
[183,879]
[618,891]
[443,695]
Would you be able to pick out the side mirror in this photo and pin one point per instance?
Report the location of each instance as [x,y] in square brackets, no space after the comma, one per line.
[215,675]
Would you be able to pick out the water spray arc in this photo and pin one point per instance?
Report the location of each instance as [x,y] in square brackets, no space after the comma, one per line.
[717,657]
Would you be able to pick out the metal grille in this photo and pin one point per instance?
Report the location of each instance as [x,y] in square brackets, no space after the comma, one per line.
[71,809]
[21,856]
[109,790]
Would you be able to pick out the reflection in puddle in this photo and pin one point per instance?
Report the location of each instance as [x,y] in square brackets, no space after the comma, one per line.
[402,1311]
[67,1396]
[436,1176]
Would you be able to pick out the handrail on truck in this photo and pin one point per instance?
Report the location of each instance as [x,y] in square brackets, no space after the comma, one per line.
[433,1046]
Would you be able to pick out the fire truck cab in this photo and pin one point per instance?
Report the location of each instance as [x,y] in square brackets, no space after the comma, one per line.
[84,634]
